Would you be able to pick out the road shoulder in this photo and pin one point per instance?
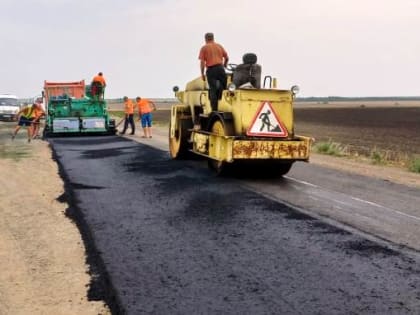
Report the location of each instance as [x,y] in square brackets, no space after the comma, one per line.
[42,257]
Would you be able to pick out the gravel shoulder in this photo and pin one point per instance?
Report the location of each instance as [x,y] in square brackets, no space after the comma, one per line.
[42,256]
[365,167]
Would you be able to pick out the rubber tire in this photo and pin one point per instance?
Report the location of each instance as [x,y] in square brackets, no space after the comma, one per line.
[281,169]
[45,132]
[260,169]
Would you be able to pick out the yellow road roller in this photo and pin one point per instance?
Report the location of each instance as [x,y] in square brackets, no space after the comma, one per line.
[252,127]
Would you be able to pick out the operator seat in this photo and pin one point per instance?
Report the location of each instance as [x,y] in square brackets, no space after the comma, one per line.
[247,73]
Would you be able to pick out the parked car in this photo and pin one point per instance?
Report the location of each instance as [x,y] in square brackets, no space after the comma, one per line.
[9,107]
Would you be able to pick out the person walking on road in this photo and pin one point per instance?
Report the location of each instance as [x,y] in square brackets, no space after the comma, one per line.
[145,108]
[129,116]
[25,117]
[214,58]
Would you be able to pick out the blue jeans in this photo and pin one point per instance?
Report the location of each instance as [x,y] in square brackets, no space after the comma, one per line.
[146,120]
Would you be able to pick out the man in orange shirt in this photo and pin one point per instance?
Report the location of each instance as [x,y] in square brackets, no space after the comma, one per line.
[129,114]
[37,114]
[145,115]
[214,58]
[98,84]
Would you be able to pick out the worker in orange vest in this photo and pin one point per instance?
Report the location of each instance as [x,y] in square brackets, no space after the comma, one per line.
[129,116]
[145,108]
[38,113]
[98,85]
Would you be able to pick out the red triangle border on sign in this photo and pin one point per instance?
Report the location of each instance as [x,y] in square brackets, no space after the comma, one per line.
[282,134]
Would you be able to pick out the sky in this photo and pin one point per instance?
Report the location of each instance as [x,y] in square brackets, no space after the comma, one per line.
[145,47]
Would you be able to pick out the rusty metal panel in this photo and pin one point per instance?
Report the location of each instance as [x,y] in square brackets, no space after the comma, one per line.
[271,149]
[200,143]
[220,147]
[228,149]
[214,146]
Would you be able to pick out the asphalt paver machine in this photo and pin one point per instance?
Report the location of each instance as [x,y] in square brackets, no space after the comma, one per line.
[72,109]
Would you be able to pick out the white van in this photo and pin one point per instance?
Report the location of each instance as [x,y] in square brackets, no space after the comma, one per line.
[9,106]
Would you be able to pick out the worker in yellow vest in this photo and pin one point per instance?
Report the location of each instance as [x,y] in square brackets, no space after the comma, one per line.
[25,117]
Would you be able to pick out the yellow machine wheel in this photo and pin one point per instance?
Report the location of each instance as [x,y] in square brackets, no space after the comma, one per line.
[178,145]
[221,128]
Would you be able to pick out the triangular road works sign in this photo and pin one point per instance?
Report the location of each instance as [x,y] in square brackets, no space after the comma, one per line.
[266,123]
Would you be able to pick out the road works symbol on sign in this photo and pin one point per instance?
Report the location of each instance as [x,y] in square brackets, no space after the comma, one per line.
[266,123]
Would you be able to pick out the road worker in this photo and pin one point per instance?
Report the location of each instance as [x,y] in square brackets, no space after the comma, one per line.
[214,58]
[145,108]
[98,85]
[25,117]
[38,113]
[129,116]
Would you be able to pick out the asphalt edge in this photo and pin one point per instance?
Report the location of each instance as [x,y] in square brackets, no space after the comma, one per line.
[100,287]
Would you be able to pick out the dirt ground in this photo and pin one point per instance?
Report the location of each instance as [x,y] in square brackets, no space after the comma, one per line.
[391,131]
[42,257]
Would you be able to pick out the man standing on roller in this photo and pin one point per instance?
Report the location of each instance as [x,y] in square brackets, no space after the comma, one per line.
[214,58]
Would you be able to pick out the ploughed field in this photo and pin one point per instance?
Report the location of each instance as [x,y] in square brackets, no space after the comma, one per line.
[391,131]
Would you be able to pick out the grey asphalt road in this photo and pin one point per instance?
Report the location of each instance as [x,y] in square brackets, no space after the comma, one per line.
[172,238]
[377,207]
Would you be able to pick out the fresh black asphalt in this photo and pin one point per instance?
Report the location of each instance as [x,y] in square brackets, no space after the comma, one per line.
[168,237]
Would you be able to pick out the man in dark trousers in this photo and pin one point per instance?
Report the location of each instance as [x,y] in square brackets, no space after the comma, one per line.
[214,58]
[129,116]
[98,85]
